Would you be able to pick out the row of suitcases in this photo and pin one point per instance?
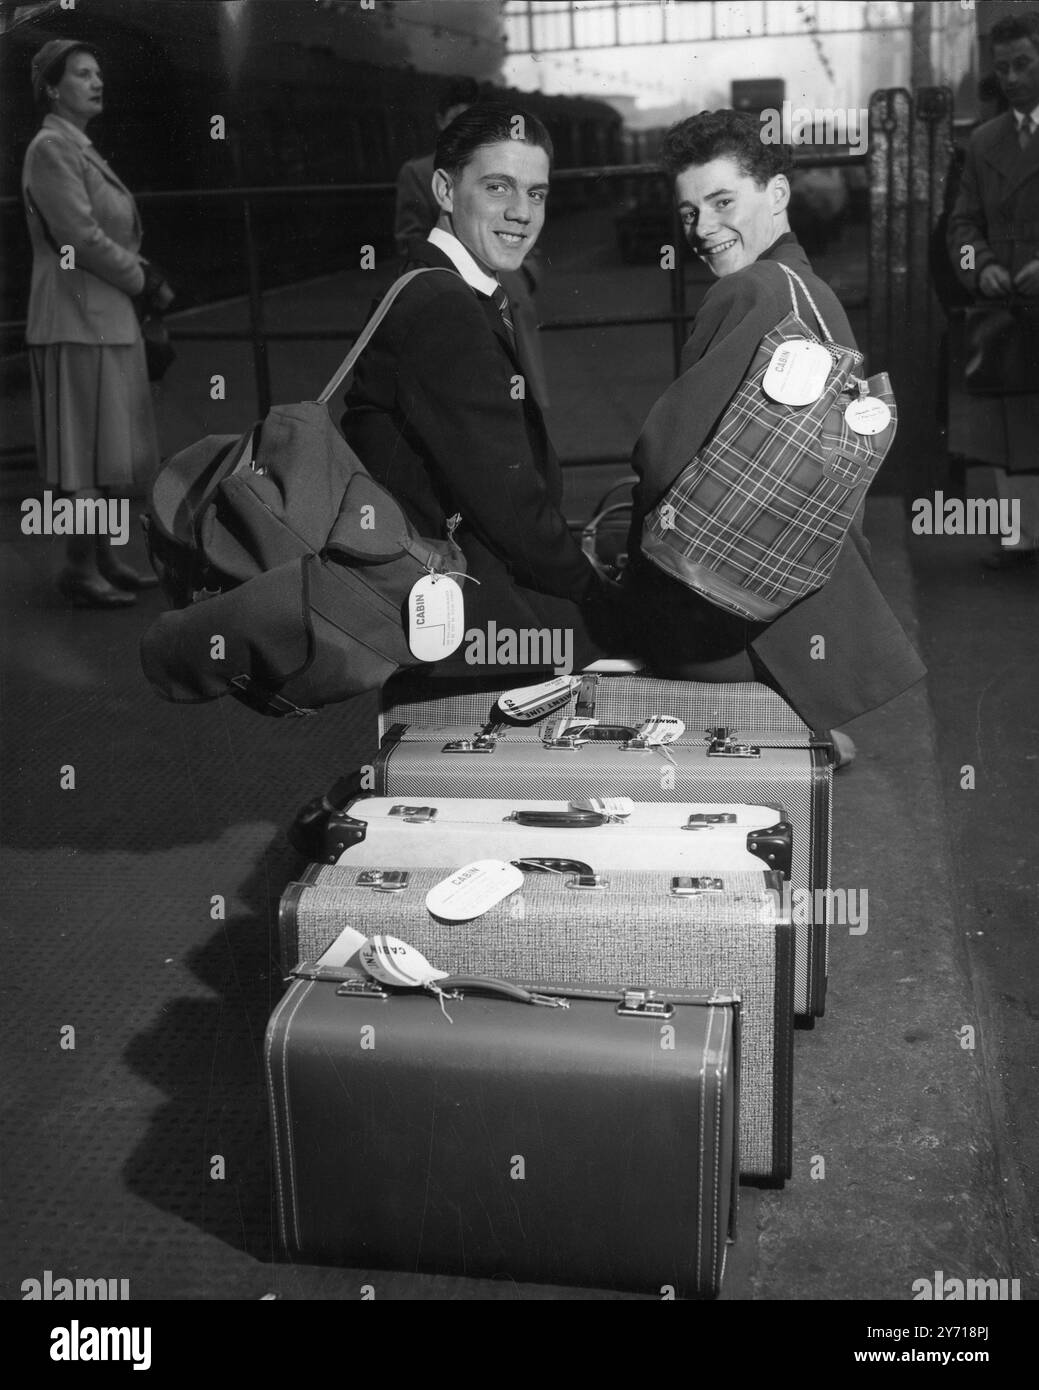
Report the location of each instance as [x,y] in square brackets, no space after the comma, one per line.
[608,1047]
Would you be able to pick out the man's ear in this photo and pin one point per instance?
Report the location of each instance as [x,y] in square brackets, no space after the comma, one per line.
[443,190]
[780,189]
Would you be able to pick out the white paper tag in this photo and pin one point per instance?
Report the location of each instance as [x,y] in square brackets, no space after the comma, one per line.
[615,807]
[797,373]
[394,962]
[662,728]
[534,702]
[867,415]
[473,889]
[436,617]
[343,948]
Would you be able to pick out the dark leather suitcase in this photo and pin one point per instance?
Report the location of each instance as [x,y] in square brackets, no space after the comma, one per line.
[714,766]
[699,932]
[591,1145]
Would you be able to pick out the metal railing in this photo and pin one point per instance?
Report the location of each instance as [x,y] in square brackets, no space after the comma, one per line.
[259,335]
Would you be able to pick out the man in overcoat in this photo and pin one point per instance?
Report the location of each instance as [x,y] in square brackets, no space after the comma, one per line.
[993,242]
[841,651]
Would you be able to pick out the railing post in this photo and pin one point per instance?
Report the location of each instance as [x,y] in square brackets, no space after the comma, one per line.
[261,366]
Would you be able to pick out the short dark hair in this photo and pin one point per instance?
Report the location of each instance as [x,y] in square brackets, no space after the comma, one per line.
[463,91]
[715,134]
[486,123]
[54,72]
[1016,26]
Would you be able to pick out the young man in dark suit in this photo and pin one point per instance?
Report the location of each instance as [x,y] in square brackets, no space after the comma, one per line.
[733,192]
[440,412]
[993,241]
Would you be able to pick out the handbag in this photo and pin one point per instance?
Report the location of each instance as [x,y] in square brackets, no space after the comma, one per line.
[1002,348]
[282,545]
[756,520]
[159,352]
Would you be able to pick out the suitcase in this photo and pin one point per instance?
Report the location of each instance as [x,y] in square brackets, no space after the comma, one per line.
[650,835]
[721,931]
[589,1145]
[421,763]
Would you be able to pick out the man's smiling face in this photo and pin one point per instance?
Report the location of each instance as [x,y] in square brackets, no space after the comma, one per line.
[728,218]
[495,206]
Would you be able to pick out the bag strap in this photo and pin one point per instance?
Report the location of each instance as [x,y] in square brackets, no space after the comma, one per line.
[791,276]
[350,360]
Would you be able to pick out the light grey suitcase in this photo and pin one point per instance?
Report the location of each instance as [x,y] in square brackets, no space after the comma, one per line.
[663,930]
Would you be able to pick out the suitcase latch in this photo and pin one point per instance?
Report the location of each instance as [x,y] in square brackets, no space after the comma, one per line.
[382,880]
[703,820]
[414,814]
[725,743]
[556,736]
[581,883]
[479,743]
[363,989]
[684,886]
[644,1003]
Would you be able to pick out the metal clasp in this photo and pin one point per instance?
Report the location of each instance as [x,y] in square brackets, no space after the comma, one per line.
[724,743]
[382,880]
[644,1003]
[479,743]
[684,886]
[556,737]
[414,814]
[364,989]
[704,820]
[585,882]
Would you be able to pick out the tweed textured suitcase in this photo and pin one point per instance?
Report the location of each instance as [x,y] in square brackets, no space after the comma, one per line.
[417,763]
[723,931]
[541,1144]
[640,835]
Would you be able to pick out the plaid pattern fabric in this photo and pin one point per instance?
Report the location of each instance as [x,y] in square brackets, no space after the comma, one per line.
[757,519]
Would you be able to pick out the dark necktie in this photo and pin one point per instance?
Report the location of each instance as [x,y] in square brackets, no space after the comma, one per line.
[1024,132]
[501,303]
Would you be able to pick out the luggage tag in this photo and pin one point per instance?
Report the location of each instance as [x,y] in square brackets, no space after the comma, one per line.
[798,372]
[867,414]
[436,617]
[533,702]
[614,808]
[657,732]
[473,890]
[394,962]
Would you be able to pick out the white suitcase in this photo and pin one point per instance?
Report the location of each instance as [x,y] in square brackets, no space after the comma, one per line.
[390,831]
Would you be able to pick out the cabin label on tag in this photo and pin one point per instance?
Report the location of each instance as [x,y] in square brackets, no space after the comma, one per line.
[797,373]
[436,617]
[867,415]
[473,889]
[394,962]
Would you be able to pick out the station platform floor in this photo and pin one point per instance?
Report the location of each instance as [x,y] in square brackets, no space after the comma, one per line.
[930,1145]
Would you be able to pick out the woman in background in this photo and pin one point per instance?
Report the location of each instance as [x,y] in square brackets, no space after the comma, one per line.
[92,407]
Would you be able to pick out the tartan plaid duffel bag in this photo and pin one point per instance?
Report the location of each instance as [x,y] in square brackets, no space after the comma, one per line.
[757,519]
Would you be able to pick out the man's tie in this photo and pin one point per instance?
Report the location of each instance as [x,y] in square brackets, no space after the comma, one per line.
[1024,132]
[501,303]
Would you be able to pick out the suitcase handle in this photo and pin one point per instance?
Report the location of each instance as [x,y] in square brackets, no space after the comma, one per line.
[502,989]
[563,820]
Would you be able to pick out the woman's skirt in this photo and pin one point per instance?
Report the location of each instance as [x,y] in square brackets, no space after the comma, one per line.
[93,417]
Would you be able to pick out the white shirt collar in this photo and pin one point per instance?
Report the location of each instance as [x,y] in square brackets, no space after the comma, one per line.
[73,132]
[463,262]
[1019,117]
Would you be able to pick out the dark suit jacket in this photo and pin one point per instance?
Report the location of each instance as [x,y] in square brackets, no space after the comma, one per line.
[868,658]
[997,207]
[432,415]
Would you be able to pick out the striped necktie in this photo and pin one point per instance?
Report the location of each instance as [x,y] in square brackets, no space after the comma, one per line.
[1024,132]
[501,303]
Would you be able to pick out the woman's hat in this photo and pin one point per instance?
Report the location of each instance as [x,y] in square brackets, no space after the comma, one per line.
[50,54]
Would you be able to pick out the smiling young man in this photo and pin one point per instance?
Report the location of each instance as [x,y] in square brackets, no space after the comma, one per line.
[733,192]
[439,411]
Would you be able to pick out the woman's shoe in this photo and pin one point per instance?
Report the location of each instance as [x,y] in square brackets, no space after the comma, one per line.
[123,577]
[92,591]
